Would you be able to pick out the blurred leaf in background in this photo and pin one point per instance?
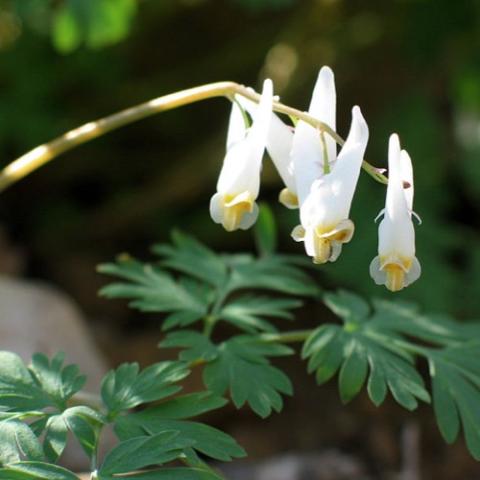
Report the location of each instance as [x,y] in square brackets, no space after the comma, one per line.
[413,69]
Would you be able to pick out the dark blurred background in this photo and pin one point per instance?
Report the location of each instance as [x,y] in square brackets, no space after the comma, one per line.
[412,65]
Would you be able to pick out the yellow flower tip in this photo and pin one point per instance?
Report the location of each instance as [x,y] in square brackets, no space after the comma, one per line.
[395,271]
[341,233]
[288,199]
[324,243]
[323,250]
[328,240]
[395,277]
[234,209]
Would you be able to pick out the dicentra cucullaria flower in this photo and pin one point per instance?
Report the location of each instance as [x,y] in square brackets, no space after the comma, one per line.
[396,266]
[317,180]
[325,183]
[238,185]
[324,214]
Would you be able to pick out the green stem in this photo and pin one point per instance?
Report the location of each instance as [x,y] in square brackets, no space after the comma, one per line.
[326,160]
[42,154]
[293,336]
[211,319]
[208,324]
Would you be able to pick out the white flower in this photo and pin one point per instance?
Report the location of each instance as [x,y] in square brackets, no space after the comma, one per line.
[279,146]
[325,207]
[396,266]
[298,155]
[238,185]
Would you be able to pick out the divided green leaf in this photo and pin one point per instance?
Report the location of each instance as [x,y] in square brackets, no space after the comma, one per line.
[248,312]
[197,347]
[274,273]
[154,290]
[203,438]
[242,368]
[364,348]
[455,374]
[189,256]
[17,443]
[144,451]
[19,390]
[58,381]
[127,386]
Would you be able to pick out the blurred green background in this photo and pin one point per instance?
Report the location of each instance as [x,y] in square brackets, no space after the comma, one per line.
[412,65]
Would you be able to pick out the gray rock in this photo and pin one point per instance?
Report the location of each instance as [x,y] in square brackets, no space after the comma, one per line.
[327,465]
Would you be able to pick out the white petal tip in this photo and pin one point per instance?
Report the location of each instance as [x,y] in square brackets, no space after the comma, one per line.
[326,73]
[358,120]
[394,140]
[267,86]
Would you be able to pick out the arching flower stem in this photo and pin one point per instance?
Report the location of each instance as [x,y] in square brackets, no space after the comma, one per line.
[42,154]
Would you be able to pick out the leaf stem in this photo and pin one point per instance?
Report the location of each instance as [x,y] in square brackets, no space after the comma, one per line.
[294,336]
[211,319]
[42,154]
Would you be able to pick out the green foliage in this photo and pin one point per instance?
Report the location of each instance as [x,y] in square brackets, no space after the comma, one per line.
[197,347]
[152,437]
[59,382]
[247,312]
[145,451]
[35,471]
[17,442]
[380,346]
[153,288]
[242,368]
[239,365]
[42,392]
[189,256]
[265,231]
[170,416]
[44,384]
[127,387]
[96,23]
[455,373]
[85,424]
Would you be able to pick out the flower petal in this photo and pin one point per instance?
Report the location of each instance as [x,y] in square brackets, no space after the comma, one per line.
[237,129]
[344,176]
[379,276]
[307,148]
[323,106]
[279,147]
[414,273]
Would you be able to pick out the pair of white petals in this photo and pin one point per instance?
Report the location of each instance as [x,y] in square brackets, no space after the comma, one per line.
[234,205]
[396,265]
[318,181]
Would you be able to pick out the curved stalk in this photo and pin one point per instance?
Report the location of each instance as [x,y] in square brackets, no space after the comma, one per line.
[42,154]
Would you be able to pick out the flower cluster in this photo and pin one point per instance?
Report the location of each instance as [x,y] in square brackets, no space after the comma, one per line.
[318,179]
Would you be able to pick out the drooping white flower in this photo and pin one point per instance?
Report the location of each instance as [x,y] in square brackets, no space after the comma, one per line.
[298,154]
[238,185]
[325,207]
[279,147]
[396,265]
